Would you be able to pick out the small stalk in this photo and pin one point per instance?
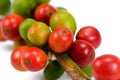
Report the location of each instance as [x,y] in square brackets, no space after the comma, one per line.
[71,68]
[50,55]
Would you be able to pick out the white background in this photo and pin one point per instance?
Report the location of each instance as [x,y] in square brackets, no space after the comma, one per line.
[102,14]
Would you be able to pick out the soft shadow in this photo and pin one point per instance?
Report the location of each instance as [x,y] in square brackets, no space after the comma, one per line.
[6,46]
[38,76]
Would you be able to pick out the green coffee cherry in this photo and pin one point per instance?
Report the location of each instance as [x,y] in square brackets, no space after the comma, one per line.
[53,70]
[4,6]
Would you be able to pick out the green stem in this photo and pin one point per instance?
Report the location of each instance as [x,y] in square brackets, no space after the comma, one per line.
[71,68]
[50,55]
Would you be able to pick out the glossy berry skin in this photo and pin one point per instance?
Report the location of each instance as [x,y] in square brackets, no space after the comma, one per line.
[60,39]
[43,12]
[38,33]
[16,57]
[34,59]
[2,38]
[82,53]
[10,26]
[106,67]
[90,34]
[63,18]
